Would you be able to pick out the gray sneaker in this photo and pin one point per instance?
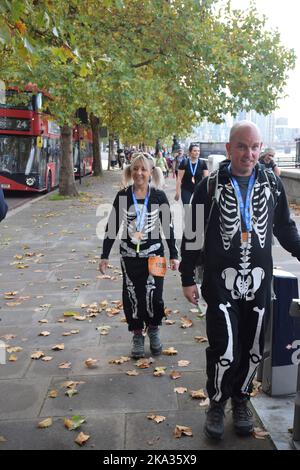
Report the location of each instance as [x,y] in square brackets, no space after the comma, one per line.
[242,416]
[155,344]
[138,346]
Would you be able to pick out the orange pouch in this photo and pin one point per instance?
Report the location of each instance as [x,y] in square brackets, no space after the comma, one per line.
[157,266]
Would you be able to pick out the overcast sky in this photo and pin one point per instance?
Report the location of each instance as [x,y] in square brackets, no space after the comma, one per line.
[284,15]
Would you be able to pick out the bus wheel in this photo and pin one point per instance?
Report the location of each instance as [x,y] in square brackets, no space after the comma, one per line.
[49,182]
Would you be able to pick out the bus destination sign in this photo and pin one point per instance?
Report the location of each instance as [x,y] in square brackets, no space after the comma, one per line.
[14,124]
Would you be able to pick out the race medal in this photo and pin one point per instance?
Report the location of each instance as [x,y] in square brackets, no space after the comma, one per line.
[193,180]
[138,236]
[244,237]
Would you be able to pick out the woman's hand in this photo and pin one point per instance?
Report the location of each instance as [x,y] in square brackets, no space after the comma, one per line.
[103,266]
[174,264]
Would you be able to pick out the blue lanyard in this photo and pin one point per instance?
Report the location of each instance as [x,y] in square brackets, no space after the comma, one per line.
[140,214]
[193,170]
[244,208]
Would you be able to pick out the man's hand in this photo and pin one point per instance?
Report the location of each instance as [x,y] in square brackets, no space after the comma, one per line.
[103,266]
[177,197]
[191,294]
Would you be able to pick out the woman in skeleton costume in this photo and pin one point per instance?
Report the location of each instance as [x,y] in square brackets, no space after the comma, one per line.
[243,205]
[143,210]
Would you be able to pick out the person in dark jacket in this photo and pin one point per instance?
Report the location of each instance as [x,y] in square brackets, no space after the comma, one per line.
[242,212]
[3,205]
[144,210]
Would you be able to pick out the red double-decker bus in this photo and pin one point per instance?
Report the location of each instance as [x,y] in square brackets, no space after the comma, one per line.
[82,151]
[30,147]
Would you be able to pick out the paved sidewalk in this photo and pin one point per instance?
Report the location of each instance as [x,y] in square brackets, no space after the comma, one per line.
[49,259]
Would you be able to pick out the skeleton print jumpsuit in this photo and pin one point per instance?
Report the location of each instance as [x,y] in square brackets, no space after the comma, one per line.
[142,292]
[237,275]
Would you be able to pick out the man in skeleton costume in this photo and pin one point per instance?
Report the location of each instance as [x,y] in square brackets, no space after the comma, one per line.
[142,210]
[243,206]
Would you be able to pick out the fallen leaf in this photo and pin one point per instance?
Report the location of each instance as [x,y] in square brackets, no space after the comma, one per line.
[200,339]
[64,365]
[132,372]
[194,310]
[13,358]
[13,349]
[182,430]
[168,311]
[58,347]
[175,375]
[176,311]
[158,419]
[70,392]
[2,439]
[259,433]
[72,332]
[186,322]
[12,304]
[170,322]
[198,393]
[103,304]
[80,317]
[180,390]
[90,363]
[120,360]
[74,422]
[10,294]
[45,423]
[53,394]
[111,312]
[183,363]
[44,320]
[81,438]
[159,371]
[144,363]
[103,330]
[44,333]
[70,314]
[37,355]
[170,351]
[8,337]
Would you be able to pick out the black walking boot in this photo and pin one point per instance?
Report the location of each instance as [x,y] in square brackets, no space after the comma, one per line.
[214,424]
[242,416]
[155,344]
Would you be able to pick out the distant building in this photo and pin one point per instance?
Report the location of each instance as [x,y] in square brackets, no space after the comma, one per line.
[266,124]
[282,121]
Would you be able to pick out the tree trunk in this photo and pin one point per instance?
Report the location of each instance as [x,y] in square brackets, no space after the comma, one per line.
[111,156]
[97,162]
[66,176]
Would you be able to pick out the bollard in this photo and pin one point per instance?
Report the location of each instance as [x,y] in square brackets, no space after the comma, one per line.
[295,312]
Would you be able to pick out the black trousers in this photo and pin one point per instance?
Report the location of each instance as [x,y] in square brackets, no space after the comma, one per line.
[235,331]
[142,294]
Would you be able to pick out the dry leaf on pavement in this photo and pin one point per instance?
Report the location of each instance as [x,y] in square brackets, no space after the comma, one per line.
[45,423]
[200,339]
[175,375]
[186,322]
[53,394]
[158,419]
[90,363]
[120,360]
[64,365]
[198,393]
[37,355]
[14,349]
[81,438]
[144,363]
[47,358]
[159,371]
[183,363]
[180,390]
[132,373]
[2,439]
[13,358]
[259,433]
[182,430]
[44,333]
[204,402]
[170,322]
[58,347]
[170,351]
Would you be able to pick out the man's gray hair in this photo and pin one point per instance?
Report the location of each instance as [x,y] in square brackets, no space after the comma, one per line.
[243,124]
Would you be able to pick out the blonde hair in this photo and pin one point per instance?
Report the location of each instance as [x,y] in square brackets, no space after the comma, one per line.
[157,178]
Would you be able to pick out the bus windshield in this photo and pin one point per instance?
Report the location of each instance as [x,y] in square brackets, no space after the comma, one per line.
[18,155]
[16,100]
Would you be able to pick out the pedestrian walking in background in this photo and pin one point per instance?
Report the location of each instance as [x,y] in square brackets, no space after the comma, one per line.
[3,205]
[190,172]
[244,205]
[162,164]
[177,160]
[144,211]
[266,159]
